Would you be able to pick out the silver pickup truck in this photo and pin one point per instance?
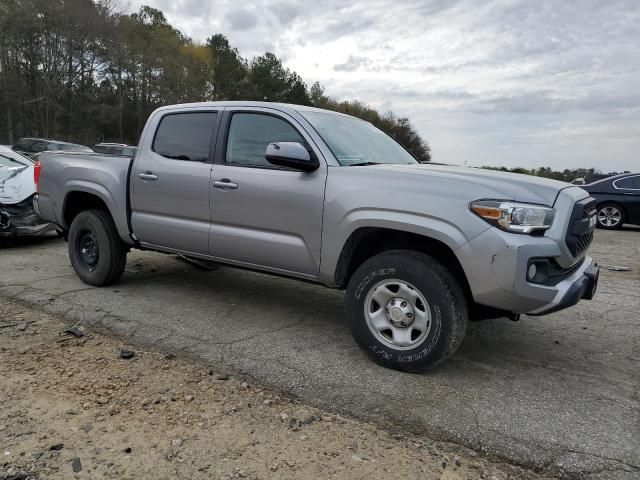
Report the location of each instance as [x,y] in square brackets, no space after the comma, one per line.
[328,198]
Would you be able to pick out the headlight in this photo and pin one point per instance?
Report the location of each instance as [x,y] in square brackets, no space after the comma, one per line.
[514,217]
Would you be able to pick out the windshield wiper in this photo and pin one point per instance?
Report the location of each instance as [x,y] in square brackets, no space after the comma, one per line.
[361,164]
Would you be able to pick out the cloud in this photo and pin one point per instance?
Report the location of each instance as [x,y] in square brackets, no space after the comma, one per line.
[545,102]
[507,81]
[241,20]
[286,13]
[352,64]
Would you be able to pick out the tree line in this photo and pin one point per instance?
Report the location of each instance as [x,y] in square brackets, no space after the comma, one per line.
[82,71]
[566,175]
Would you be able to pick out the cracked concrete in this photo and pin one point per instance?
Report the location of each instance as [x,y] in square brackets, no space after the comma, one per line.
[559,393]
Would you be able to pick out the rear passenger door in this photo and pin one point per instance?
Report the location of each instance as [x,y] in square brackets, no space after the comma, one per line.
[262,215]
[171,181]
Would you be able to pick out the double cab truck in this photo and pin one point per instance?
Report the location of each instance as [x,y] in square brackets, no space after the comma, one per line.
[418,249]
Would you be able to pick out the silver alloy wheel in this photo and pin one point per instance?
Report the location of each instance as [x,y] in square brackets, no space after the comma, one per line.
[397,314]
[609,216]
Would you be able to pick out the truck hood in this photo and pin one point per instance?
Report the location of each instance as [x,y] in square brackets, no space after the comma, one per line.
[486,183]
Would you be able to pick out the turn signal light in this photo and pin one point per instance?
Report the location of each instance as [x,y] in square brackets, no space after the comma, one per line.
[488,213]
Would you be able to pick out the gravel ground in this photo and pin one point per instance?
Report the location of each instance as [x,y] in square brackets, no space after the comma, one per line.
[73,407]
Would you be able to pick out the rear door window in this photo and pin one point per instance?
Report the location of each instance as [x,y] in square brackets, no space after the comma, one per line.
[185,136]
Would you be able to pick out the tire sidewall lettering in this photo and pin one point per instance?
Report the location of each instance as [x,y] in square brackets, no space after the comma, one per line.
[372,276]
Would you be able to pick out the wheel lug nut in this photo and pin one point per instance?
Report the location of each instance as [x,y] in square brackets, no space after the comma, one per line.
[409,315]
[393,302]
[403,304]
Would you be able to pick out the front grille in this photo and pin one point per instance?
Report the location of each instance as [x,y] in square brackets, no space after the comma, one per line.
[590,208]
[580,232]
[583,242]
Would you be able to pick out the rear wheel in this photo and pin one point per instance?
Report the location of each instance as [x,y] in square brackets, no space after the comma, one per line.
[97,254]
[610,216]
[406,310]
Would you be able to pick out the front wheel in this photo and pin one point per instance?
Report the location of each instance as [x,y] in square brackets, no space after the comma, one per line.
[610,216]
[96,252]
[406,310]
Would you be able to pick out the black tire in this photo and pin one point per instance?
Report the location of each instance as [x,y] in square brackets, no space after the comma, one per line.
[605,221]
[96,228]
[446,304]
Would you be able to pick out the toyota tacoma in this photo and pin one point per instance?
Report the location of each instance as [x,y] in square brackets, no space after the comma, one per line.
[418,249]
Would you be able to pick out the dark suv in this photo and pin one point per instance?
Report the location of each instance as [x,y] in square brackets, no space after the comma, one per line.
[30,146]
[618,200]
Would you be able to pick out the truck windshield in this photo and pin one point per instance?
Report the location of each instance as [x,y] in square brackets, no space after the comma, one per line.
[356,142]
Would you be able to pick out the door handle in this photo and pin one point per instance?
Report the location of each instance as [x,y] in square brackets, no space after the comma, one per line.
[225,183]
[148,176]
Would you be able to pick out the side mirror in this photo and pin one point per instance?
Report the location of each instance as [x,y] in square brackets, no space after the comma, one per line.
[291,155]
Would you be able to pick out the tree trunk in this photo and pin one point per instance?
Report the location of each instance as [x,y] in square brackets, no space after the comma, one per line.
[9,124]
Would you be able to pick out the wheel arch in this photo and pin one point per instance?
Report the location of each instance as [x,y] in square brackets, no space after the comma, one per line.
[77,201]
[81,197]
[617,203]
[366,242]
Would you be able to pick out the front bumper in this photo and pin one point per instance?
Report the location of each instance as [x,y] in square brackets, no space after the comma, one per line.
[22,219]
[496,264]
[582,285]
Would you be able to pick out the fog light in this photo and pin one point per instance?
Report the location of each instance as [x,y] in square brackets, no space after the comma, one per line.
[531,273]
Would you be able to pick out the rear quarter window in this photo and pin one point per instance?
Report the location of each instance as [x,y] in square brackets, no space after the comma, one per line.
[629,183]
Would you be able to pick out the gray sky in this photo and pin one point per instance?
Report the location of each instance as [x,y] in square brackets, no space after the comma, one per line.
[498,82]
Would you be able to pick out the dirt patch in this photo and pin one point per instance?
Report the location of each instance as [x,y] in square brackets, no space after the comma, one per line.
[83,408]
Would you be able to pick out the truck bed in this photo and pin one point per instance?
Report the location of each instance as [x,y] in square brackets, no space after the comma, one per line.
[105,176]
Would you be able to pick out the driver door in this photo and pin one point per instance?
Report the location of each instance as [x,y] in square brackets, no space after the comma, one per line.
[265,216]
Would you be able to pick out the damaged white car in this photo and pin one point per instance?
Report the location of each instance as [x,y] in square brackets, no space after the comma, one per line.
[17,188]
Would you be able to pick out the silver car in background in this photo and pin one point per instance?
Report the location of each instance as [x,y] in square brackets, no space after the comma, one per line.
[17,189]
